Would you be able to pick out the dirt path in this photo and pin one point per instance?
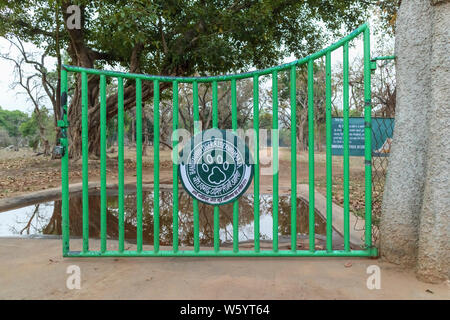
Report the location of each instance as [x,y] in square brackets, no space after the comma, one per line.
[36,270]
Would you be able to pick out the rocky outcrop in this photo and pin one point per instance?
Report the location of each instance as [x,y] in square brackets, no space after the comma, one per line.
[415,224]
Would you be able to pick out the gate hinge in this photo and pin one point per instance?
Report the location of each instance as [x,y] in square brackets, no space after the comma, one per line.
[61,124]
[368,103]
[367,124]
[368,162]
[373,65]
[59,151]
[64,99]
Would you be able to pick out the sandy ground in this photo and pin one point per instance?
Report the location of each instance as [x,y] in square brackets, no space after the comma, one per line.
[34,269]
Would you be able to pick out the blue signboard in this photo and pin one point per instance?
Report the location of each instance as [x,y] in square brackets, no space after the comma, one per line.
[382,130]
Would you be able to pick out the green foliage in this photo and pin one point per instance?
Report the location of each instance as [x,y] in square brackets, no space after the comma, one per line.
[388,14]
[33,142]
[189,36]
[181,37]
[265,120]
[11,121]
[5,139]
[30,128]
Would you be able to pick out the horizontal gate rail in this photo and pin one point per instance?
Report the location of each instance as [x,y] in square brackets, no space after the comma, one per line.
[222,253]
[217,251]
[362,29]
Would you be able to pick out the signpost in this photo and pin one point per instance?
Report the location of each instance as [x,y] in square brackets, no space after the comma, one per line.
[382,130]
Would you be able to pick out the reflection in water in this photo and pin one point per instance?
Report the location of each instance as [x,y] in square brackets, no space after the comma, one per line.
[26,221]
[50,223]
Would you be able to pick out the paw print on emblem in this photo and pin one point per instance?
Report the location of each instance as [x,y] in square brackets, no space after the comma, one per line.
[215,169]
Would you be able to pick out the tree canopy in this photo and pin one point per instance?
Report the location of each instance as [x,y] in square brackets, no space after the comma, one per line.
[11,121]
[171,37]
[185,36]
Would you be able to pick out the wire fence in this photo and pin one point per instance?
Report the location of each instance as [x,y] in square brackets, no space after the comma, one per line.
[384,117]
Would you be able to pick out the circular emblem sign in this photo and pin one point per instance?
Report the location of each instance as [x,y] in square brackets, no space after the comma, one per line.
[215,167]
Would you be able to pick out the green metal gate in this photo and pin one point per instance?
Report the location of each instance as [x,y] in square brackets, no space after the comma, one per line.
[367,250]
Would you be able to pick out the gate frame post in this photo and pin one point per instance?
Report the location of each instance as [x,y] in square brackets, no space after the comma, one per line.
[368,143]
[368,251]
[64,141]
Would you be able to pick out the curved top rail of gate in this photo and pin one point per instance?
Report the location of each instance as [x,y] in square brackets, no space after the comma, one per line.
[228,77]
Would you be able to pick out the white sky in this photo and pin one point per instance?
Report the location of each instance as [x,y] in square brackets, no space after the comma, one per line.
[8,99]
[16,99]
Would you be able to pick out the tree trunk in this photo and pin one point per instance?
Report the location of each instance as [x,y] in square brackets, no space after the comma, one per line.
[57,106]
[94,112]
[133,128]
[301,134]
[415,215]
[84,56]
[318,139]
[144,131]
[46,144]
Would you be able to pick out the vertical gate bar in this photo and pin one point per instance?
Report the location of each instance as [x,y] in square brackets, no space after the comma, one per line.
[293,98]
[346,152]
[196,226]
[120,124]
[235,203]
[368,139]
[195,201]
[215,120]
[139,163]
[275,159]
[216,229]
[215,123]
[65,168]
[103,163]
[175,166]
[215,112]
[329,157]
[156,165]
[85,152]
[312,236]
[256,155]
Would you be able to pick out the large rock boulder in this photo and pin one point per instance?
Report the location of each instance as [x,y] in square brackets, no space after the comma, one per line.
[415,223]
